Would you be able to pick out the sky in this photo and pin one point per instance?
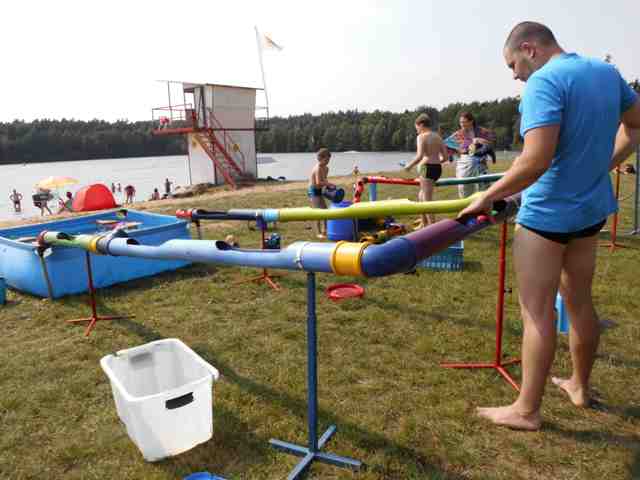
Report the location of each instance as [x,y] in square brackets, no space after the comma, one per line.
[86,59]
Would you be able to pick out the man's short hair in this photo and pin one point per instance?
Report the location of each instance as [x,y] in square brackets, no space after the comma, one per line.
[527,32]
[323,153]
[424,120]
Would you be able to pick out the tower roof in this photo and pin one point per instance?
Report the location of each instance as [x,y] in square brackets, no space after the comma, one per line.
[189,85]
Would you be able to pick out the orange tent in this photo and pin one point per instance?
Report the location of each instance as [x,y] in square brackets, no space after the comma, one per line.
[93,197]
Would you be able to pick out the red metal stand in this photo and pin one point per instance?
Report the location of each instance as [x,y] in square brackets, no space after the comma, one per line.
[612,244]
[497,364]
[265,276]
[94,318]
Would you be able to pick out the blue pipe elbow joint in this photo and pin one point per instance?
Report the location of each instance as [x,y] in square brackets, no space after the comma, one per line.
[395,256]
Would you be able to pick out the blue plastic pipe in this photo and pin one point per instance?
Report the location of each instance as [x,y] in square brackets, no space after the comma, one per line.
[396,256]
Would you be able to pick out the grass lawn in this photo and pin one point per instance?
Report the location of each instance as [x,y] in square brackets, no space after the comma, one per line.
[380,381]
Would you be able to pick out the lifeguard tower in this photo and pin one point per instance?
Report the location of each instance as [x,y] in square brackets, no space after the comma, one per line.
[220,122]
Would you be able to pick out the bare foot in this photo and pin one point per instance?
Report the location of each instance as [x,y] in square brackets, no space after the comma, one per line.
[509,417]
[578,395]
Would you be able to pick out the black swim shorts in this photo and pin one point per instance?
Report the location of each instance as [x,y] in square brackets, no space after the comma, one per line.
[565,238]
[431,171]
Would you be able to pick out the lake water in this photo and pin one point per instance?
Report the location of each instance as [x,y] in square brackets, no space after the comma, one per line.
[150,172]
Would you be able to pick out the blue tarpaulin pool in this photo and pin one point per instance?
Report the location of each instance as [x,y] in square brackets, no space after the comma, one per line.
[23,268]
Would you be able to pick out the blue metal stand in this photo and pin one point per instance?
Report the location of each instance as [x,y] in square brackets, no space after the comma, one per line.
[312,452]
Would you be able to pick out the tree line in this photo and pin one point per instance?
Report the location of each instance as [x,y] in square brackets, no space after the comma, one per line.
[63,140]
[377,131]
[381,131]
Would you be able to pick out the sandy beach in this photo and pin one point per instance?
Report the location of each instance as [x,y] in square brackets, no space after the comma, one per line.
[214,193]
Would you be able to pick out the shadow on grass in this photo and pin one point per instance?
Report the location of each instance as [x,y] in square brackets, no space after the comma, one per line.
[198,270]
[232,444]
[367,440]
[626,412]
[509,327]
[598,436]
[145,333]
[473,266]
[617,360]
[385,305]
[114,292]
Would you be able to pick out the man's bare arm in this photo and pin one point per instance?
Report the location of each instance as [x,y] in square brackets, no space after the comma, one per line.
[628,136]
[539,148]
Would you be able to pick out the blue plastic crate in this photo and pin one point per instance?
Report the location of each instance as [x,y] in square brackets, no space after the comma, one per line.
[450,259]
[562,319]
[202,476]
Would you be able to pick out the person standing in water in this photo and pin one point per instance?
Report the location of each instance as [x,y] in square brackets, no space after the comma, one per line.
[130,192]
[16,198]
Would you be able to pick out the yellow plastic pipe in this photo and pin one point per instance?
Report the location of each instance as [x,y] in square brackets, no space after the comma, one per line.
[375,209]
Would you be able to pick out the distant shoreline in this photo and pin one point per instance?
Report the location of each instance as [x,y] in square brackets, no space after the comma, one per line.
[265,160]
[88,159]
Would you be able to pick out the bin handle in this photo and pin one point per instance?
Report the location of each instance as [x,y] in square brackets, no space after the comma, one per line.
[214,372]
[141,351]
[180,401]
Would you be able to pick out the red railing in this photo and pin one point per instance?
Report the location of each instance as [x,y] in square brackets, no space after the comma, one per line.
[185,116]
[229,146]
[175,115]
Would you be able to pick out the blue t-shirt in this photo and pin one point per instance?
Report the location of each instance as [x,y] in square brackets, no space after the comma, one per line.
[586,97]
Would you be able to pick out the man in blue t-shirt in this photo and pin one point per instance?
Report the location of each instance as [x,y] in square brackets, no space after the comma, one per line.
[580,120]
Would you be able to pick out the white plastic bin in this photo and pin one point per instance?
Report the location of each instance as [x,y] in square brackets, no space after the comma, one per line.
[163,395]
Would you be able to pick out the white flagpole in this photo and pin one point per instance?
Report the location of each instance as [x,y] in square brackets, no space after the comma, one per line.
[264,82]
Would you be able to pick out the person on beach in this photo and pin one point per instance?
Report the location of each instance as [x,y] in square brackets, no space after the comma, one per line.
[163,122]
[155,195]
[16,198]
[167,187]
[119,188]
[130,193]
[580,120]
[113,188]
[41,199]
[468,138]
[431,153]
[318,181]
[66,205]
